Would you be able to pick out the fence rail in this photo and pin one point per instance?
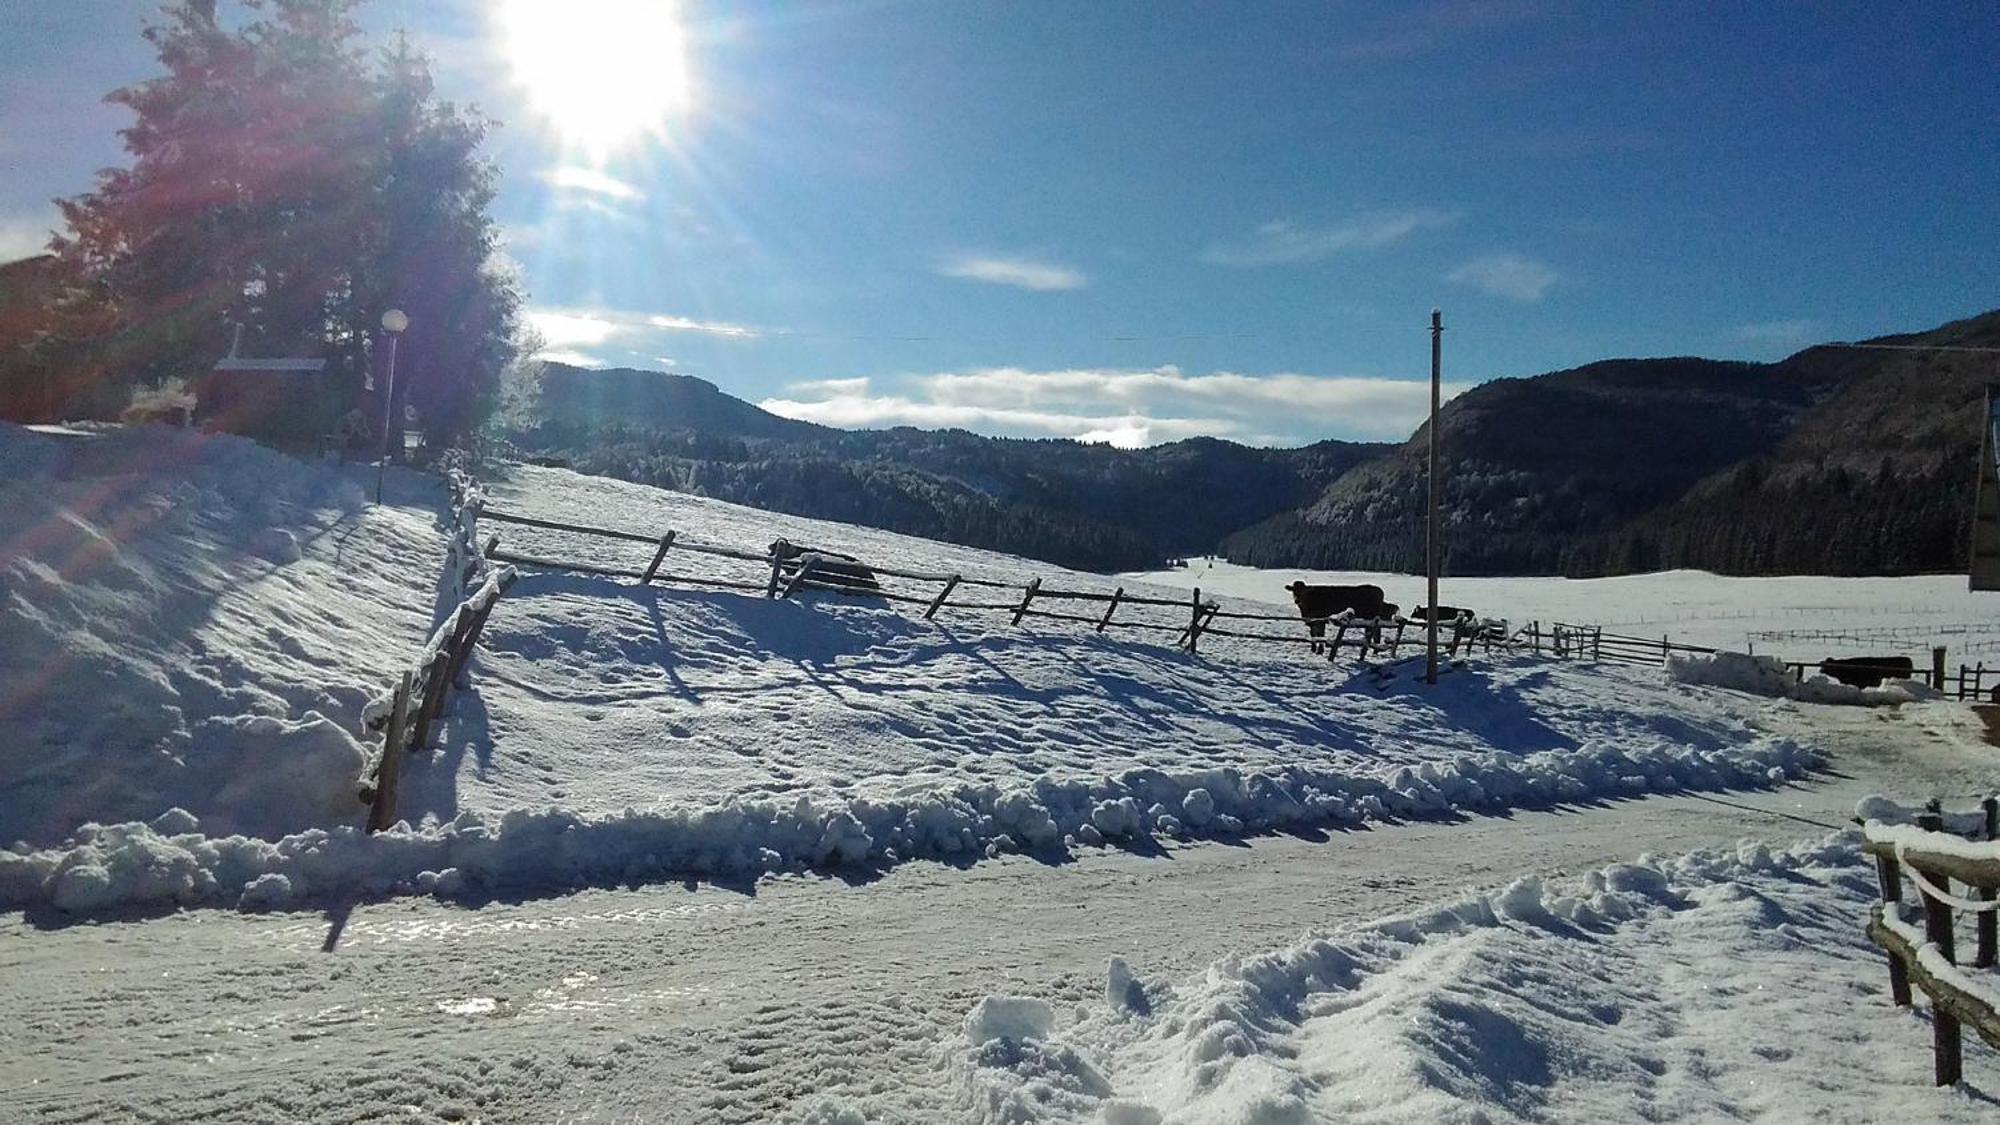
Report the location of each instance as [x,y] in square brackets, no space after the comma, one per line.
[417,702]
[1120,608]
[1933,859]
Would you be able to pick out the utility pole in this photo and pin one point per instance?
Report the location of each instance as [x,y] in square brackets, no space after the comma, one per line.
[1433,547]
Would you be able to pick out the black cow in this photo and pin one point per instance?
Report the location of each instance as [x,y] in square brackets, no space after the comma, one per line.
[1447,614]
[1316,603]
[1867,671]
[796,564]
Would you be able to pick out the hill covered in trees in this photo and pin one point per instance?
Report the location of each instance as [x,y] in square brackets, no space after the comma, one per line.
[1837,460]
[1075,504]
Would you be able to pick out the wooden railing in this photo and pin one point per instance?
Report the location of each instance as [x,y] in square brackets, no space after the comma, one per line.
[1934,859]
[417,702]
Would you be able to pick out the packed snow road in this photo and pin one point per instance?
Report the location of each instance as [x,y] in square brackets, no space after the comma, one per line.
[712,1003]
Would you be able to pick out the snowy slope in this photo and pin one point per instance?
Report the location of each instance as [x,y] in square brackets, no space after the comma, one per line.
[192,621]
[614,733]
[1712,986]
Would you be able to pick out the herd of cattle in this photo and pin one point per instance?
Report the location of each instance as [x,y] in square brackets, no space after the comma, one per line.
[1362,605]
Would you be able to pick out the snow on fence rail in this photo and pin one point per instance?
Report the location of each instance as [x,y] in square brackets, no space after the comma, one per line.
[1933,852]
[476,585]
[1188,619]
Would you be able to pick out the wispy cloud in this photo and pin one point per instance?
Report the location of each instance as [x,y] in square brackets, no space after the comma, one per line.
[1019,272]
[1512,276]
[575,177]
[1281,242]
[1121,406]
[711,327]
[1777,333]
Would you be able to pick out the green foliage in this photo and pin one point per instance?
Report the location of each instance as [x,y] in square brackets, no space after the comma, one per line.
[287,179]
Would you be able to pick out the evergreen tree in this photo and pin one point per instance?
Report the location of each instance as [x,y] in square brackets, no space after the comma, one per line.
[284,180]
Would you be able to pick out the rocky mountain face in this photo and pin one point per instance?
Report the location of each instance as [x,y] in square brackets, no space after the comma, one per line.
[1837,460]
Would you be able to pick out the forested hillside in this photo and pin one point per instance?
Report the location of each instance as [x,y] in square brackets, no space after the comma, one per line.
[1834,461]
[1071,503]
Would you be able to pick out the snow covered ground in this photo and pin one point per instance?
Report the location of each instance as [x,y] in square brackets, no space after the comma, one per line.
[1717,985]
[688,855]
[195,622]
[1800,618]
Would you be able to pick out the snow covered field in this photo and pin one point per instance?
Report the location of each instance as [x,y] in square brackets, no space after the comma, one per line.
[1800,618]
[614,899]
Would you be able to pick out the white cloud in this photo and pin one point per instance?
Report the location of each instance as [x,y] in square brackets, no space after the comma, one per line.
[23,238]
[1282,242]
[567,330]
[573,358]
[573,177]
[711,327]
[1122,407]
[1022,273]
[1512,276]
[1777,333]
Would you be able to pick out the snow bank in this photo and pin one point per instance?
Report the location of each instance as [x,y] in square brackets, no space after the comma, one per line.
[194,621]
[172,861]
[1767,675]
[1717,985]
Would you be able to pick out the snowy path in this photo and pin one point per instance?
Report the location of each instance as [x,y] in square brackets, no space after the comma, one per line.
[664,1003]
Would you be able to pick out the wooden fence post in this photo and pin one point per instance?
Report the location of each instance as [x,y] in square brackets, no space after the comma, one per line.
[950,584]
[1891,879]
[1194,621]
[1946,1035]
[1110,609]
[388,772]
[1988,950]
[463,651]
[777,569]
[653,567]
[1937,667]
[437,680]
[1034,584]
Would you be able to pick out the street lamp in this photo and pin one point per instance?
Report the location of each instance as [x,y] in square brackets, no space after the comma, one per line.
[393,322]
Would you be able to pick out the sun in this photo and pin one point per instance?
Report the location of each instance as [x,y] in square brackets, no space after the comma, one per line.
[605,74]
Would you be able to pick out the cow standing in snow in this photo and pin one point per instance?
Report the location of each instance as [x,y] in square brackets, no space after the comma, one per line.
[1317,603]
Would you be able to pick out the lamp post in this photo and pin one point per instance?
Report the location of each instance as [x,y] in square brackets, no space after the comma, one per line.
[393,322]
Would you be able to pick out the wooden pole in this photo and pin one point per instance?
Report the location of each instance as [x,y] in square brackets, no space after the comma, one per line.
[437,679]
[388,772]
[1937,667]
[950,584]
[1891,880]
[1028,595]
[1110,609]
[1194,620]
[1946,1034]
[653,568]
[1432,548]
[777,568]
[1987,951]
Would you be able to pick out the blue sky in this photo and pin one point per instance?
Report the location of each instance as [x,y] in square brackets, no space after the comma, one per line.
[1139,221]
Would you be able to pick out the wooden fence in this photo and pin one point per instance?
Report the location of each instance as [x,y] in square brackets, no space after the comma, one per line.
[1591,642]
[777,574]
[418,699]
[1933,858]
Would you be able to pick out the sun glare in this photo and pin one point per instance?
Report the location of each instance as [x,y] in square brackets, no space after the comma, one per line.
[604,73]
